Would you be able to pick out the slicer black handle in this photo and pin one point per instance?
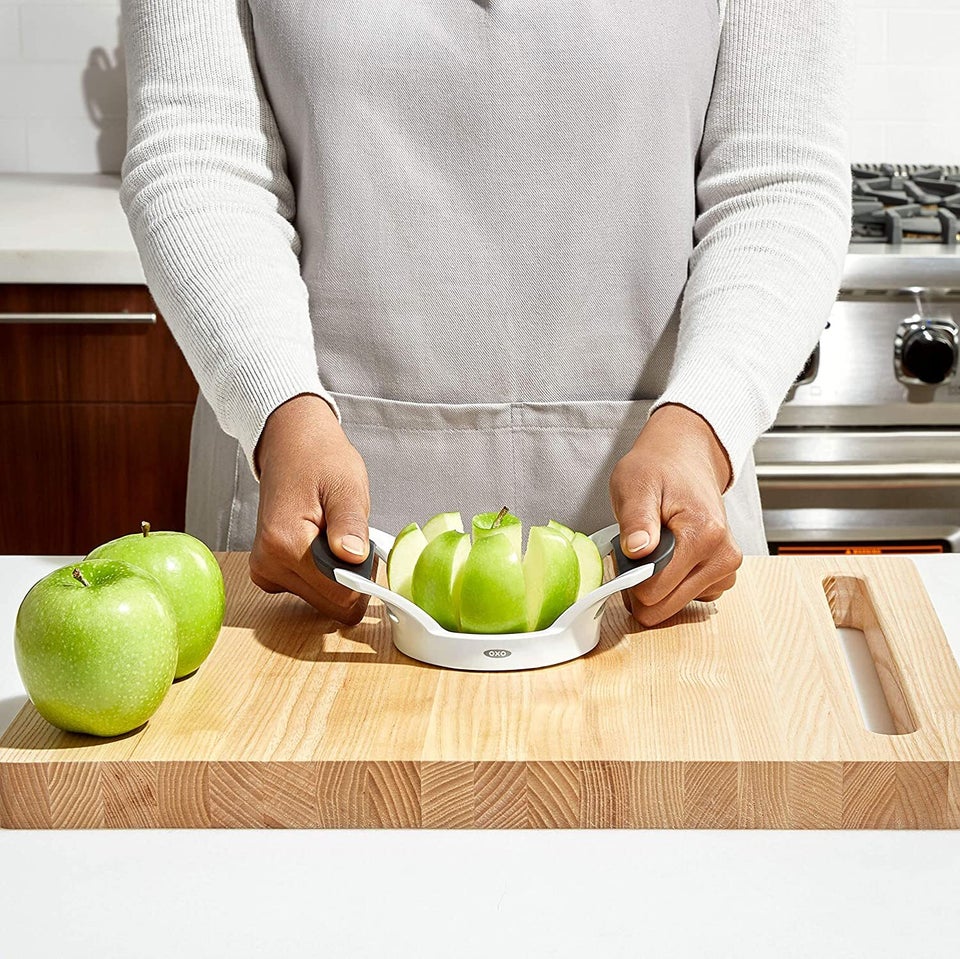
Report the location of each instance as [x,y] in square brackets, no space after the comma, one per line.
[659,557]
[327,563]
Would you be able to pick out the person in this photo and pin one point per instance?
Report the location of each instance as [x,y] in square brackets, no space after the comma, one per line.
[428,255]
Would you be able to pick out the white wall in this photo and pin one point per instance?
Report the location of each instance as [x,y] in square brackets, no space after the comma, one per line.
[62,84]
[906,95]
[62,95]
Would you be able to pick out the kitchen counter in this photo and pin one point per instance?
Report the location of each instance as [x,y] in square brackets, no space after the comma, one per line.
[472,893]
[65,228]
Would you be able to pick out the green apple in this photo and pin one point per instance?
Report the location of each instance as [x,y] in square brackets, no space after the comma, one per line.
[488,587]
[591,563]
[96,646]
[503,522]
[552,574]
[560,528]
[437,577]
[493,590]
[441,523]
[191,576]
[402,558]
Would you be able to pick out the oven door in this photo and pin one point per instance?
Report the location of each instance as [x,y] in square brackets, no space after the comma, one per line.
[840,491]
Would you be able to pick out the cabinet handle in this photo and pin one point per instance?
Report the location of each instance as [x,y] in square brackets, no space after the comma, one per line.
[140,318]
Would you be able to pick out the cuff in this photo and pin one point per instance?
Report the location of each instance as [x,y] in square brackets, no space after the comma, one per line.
[736,417]
[252,399]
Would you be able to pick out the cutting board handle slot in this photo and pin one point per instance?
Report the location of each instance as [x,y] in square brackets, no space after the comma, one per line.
[874,671]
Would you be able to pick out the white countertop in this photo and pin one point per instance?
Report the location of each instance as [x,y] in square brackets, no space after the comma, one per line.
[281,894]
[65,228]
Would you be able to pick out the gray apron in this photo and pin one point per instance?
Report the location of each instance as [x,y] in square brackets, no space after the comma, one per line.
[495,204]
[544,461]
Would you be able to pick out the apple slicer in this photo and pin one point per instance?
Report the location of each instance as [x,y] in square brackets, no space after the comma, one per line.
[419,636]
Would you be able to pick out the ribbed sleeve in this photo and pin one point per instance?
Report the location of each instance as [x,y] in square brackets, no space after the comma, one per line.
[773,219]
[210,206]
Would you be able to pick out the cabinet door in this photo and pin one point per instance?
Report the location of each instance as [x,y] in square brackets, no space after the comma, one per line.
[75,475]
[95,413]
[88,358]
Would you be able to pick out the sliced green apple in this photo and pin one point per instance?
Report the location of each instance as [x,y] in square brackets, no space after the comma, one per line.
[493,589]
[560,528]
[552,574]
[591,563]
[486,523]
[402,558]
[442,523]
[437,577]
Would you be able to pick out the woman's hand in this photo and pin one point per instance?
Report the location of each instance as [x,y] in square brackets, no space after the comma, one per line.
[311,478]
[675,475]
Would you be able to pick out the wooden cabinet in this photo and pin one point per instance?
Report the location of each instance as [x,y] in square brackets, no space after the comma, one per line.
[95,417]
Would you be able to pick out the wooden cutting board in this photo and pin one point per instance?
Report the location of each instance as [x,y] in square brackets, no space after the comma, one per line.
[739,714]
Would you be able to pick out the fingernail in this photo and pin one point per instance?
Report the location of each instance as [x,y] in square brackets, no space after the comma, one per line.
[353,544]
[637,541]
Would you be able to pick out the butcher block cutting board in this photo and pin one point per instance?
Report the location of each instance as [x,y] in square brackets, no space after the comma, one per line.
[738,714]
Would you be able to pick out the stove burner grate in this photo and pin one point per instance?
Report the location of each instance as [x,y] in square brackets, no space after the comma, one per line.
[896,203]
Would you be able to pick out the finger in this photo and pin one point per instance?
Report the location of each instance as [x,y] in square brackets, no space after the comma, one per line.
[699,540]
[346,512]
[686,557]
[655,613]
[326,596]
[344,605]
[267,585]
[703,579]
[281,560]
[718,589]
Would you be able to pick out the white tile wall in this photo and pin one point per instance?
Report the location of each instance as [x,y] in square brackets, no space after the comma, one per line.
[62,87]
[62,84]
[9,33]
[13,145]
[905,106]
[55,33]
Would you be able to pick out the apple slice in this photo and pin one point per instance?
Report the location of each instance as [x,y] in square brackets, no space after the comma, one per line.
[442,523]
[402,558]
[484,524]
[437,577]
[591,564]
[552,573]
[560,528]
[493,590]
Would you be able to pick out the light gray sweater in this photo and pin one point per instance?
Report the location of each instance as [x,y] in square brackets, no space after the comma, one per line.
[455,201]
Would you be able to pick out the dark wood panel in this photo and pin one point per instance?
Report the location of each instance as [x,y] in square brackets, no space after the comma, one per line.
[74,476]
[88,362]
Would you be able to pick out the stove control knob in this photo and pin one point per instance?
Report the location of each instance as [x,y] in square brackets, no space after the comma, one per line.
[925,351]
[929,355]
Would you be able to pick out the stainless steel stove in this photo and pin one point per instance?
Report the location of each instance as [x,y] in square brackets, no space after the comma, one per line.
[865,452]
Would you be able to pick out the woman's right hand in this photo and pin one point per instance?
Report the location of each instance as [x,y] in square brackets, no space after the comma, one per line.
[311,479]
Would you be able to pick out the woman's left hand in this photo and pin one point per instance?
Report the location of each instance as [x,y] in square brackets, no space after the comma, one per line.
[675,475]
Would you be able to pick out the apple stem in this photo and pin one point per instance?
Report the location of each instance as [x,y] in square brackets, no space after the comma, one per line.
[500,515]
[145,528]
[78,576]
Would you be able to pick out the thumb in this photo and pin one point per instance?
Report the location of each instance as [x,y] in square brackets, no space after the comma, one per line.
[639,536]
[346,513]
[639,520]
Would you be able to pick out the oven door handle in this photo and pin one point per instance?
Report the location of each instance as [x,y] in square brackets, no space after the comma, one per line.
[802,476]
